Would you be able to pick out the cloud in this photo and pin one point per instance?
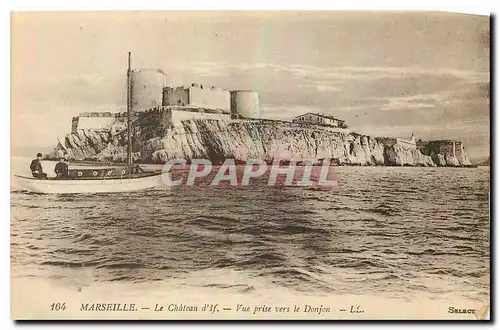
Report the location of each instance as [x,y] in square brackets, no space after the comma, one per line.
[382,87]
[415,101]
[395,105]
[392,101]
[364,73]
[323,87]
[375,73]
[327,88]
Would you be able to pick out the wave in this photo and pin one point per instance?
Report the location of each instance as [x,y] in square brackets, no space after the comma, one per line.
[454,237]
[122,278]
[298,229]
[360,263]
[121,265]
[432,252]
[71,264]
[289,273]
[383,209]
[456,272]
[75,251]
[369,236]
[260,261]
[389,277]
[242,288]
[349,251]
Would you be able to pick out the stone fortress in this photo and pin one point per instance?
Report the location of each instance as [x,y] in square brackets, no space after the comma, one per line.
[196,101]
[160,110]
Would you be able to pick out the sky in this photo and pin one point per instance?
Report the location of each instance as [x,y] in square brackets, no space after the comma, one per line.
[385,73]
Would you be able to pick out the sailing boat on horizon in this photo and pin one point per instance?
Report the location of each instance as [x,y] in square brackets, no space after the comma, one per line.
[102,179]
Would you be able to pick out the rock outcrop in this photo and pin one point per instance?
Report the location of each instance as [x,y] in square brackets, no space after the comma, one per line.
[217,140]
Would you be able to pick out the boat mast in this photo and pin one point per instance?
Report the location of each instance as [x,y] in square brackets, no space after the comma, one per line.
[129,121]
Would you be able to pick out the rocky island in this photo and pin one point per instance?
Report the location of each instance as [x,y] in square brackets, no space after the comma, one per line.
[197,121]
[156,140]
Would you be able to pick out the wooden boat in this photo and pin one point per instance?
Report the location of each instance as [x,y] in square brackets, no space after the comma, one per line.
[94,184]
[101,179]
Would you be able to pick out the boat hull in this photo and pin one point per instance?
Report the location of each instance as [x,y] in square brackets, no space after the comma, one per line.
[88,186]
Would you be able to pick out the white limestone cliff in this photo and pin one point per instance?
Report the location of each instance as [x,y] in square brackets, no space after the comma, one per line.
[242,140]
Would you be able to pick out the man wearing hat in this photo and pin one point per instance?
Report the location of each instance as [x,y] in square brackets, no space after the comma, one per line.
[62,169]
[36,167]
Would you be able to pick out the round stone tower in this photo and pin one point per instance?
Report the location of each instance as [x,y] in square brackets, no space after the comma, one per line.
[147,88]
[245,104]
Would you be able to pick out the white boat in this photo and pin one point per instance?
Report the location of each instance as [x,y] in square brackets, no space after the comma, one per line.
[100,179]
[86,186]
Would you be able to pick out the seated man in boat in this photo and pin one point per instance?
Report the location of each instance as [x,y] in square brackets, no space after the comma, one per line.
[36,167]
[61,169]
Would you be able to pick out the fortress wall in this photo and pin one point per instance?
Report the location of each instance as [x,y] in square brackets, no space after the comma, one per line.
[94,120]
[175,96]
[97,123]
[391,142]
[284,124]
[177,116]
[447,148]
[429,147]
[209,98]
[158,120]
[422,145]
[459,149]
[194,96]
[197,109]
